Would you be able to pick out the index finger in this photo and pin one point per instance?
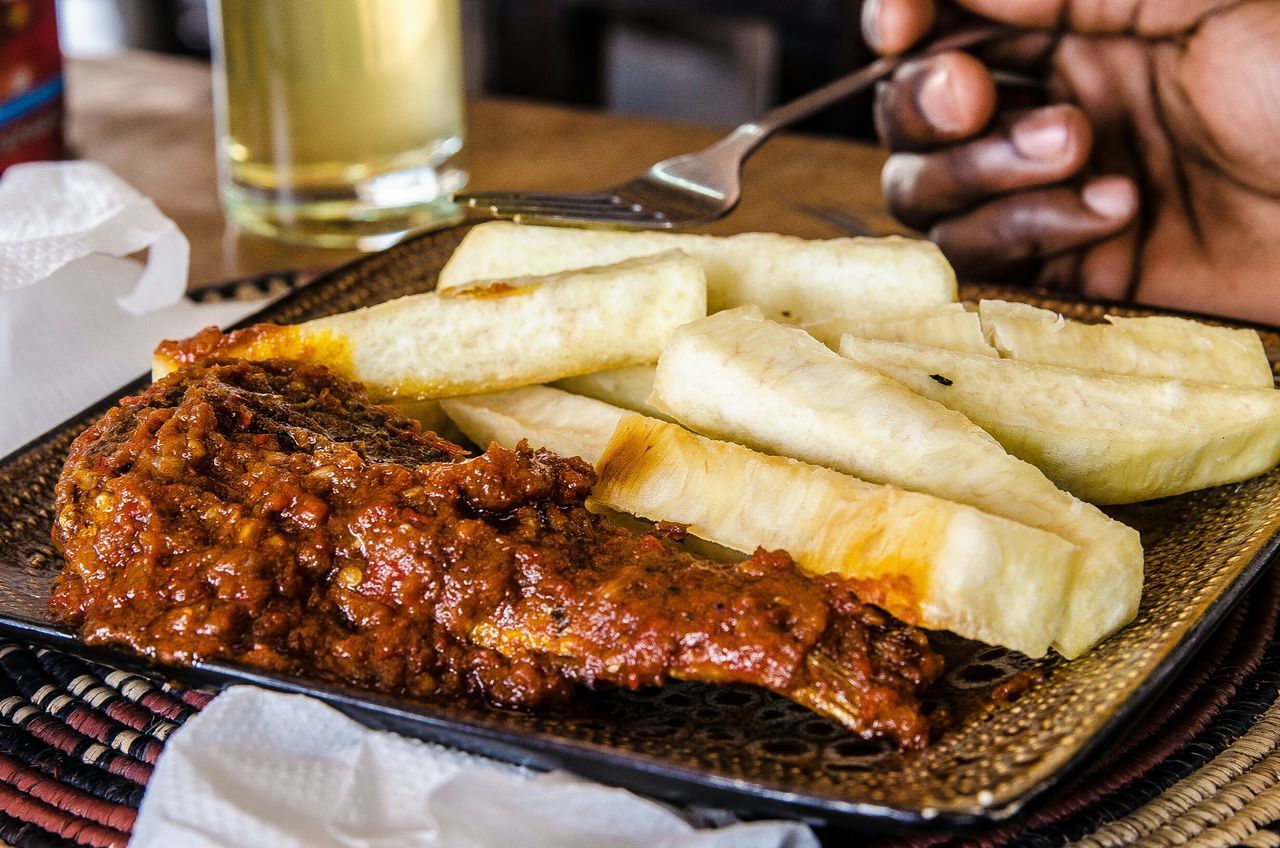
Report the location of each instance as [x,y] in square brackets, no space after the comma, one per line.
[892,26]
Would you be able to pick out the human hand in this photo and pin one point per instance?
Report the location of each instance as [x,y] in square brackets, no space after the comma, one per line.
[1154,174]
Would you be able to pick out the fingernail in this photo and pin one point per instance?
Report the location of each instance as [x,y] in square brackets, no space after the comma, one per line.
[1110,197]
[1040,136]
[938,101]
[871,29]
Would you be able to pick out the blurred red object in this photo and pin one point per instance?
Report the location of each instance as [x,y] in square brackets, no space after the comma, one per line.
[30,82]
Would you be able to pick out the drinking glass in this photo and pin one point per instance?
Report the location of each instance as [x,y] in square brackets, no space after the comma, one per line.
[339,122]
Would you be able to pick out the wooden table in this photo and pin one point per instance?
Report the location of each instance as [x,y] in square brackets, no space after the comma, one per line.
[149,118]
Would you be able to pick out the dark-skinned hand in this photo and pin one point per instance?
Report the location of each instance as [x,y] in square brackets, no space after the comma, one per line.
[1154,174]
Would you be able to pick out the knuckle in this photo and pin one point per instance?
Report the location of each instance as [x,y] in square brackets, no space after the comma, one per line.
[1011,229]
[901,180]
[966,171]
[888,115]
[896,113]
[948,234]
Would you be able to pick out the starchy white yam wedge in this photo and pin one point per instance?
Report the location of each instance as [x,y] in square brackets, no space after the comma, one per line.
[486,338]
[431,416]
[1106,438]
[776,389]
[565,423]
[957,330]
[791,279]
[929,561]
[628,388]
[830,327]
[935,311]
[1158,346]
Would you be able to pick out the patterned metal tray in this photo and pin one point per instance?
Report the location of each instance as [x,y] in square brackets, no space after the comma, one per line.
[738,747]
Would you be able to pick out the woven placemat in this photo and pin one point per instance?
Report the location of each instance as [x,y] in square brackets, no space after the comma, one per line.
[78,741]
[77,744]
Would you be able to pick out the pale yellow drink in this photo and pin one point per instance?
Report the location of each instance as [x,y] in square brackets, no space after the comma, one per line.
[339,121]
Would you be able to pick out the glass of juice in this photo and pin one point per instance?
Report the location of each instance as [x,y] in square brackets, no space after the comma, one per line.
[339,122]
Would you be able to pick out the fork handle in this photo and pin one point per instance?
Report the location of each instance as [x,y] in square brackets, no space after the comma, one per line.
[747,137]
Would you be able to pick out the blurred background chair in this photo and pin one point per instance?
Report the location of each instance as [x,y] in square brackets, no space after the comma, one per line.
[715,61]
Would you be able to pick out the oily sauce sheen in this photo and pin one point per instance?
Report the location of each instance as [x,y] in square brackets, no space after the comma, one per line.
[267,513]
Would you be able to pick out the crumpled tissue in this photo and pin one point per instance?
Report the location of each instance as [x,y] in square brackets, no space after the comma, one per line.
[259,768]
[77,319]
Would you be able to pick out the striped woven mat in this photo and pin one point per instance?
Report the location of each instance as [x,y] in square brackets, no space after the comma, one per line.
[77,744]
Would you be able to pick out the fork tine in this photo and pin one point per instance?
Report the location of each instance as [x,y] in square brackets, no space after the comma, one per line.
[629,220]
[645,222]
[612,213]
[576,201]
[519,204]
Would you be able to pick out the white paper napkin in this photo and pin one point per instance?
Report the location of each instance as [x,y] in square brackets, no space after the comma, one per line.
[258,768]
[52,213]
[76,319]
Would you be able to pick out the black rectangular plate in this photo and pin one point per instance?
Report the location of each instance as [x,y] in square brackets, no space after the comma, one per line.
[733,746]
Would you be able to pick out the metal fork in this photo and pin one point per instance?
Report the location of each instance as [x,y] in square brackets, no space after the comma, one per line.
[705,185]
